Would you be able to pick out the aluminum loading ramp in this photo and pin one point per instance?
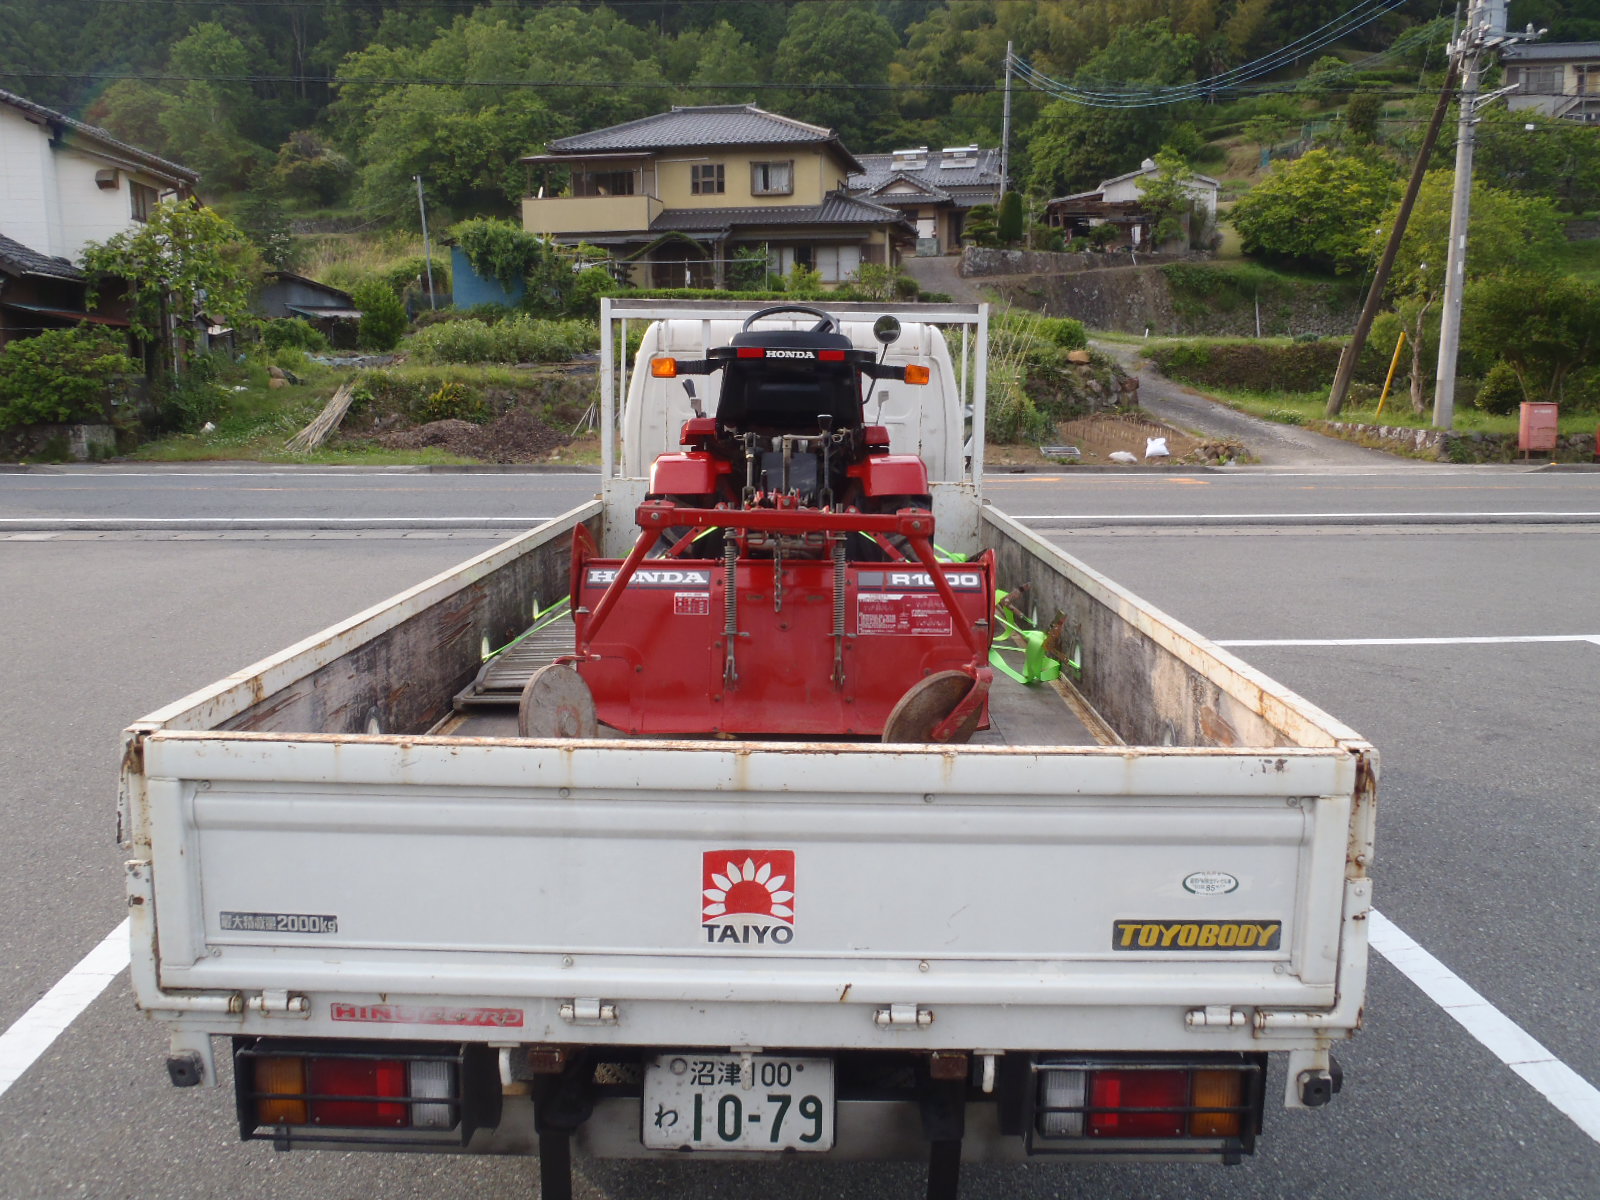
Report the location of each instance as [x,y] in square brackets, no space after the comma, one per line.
[503,677]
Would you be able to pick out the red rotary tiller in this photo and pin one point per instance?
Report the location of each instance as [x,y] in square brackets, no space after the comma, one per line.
[785,579]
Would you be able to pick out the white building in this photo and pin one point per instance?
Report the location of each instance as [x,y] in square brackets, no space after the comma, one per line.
[64,184]
[1119,201]
[1556,79]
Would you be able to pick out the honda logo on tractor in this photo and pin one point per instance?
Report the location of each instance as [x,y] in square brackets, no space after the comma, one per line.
[747,897]
[790,354]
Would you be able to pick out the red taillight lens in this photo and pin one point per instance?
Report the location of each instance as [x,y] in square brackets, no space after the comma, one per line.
[364,1081]
[831,355]
[1133,1094]
[752,352]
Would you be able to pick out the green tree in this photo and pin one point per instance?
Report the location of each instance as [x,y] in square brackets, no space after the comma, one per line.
[1009,225]
[1507,233]
[1544,326]
[1540,156]
[1316,210]
[204,119]
[1361,116]
[1168,199]
[62,375]
[383,316]
[828,51]
[1072,145]
[184,261]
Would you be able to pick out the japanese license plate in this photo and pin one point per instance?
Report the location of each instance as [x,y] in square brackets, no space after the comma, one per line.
[734,1102]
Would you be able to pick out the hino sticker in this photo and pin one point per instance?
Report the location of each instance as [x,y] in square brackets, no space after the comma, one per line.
[427,1014]
[1195,935]
[247,922]
[747,897]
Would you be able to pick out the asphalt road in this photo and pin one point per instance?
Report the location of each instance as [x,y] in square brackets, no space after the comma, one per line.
[1488,830]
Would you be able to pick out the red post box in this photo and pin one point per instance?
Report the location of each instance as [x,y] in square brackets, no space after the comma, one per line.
[1537,429]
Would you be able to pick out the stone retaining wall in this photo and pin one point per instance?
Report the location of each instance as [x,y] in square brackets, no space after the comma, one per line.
[1451,446]
[979,262]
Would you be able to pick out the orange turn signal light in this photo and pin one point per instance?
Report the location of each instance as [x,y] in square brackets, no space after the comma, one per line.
[1220,1090]
[664,368]
[281,1075]
[916,374]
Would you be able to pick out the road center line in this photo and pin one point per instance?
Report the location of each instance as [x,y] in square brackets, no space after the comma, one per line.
[1421,641]
[1558,1083]
[33,1032]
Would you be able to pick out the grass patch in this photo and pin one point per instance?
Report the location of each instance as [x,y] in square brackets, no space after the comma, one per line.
[1298,408]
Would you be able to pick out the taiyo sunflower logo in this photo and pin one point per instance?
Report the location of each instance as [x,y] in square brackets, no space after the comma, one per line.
[747,896]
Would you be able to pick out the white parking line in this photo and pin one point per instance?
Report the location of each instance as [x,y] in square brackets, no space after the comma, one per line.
[1558,1083]
[1423,641]
[33,1032]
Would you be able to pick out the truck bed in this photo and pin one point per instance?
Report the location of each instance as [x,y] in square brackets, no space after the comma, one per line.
[477,872]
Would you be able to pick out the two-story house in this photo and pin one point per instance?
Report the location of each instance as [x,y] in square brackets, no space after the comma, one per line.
[1557,79]
[675,195]
[64,184]
[934,190]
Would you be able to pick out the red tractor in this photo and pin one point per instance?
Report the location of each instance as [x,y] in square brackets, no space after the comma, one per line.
[785,580]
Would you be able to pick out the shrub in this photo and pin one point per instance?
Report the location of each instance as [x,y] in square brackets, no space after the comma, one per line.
[62,375]
[1064,332]
[383,316]
[1501,392]
[517,339]
[292,333]
[453,401]
[187,402]
[587,287]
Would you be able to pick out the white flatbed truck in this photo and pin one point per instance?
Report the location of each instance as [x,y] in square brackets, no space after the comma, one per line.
[1084,934]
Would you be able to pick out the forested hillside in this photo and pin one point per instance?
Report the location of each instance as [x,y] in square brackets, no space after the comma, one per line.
[336,104]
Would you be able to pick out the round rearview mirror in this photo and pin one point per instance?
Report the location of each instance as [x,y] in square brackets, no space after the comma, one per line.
[886,329]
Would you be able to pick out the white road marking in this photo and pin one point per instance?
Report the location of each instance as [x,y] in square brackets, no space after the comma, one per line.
[33,1032]
[1421,641]
[1375,517]
[1558,1083]
[224,522]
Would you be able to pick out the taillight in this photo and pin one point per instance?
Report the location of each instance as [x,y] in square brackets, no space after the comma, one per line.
[752,352]
[360,1085]
[1137,1103]
[1147,1100]
[355,1092]
[831,355]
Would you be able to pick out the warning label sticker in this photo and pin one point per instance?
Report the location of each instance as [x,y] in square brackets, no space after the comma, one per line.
[692,604]
[901,613]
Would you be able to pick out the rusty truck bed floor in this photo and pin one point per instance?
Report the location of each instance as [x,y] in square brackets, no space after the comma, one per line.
[1038,714]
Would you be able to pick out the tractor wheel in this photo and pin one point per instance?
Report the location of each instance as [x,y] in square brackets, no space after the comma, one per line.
[557,703]
[928,702]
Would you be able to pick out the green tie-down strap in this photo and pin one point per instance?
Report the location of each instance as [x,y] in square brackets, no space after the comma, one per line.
[1037,666]
[545,616]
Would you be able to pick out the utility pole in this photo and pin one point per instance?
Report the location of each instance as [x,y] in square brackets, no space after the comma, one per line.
[427,247]
[1484,31]
[1005,128]
[1380,278]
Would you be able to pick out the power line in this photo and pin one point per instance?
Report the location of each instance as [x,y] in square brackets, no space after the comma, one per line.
[1348,22]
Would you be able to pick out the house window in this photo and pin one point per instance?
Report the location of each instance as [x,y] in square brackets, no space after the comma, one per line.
[772,178]
[706,179]
[602,183]
[1541,81]
[144,200]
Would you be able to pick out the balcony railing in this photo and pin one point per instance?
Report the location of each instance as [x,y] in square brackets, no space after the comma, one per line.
[589,214]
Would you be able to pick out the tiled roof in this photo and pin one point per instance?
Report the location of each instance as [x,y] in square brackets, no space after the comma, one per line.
[156,165]
[921,190]
[836,209]
[1559,51]
[707,125]
[878,169]
[18,259]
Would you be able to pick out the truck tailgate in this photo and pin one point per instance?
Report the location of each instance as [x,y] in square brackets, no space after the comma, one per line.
[869,886]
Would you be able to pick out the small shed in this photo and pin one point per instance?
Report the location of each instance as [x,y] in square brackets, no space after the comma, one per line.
[328,309]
